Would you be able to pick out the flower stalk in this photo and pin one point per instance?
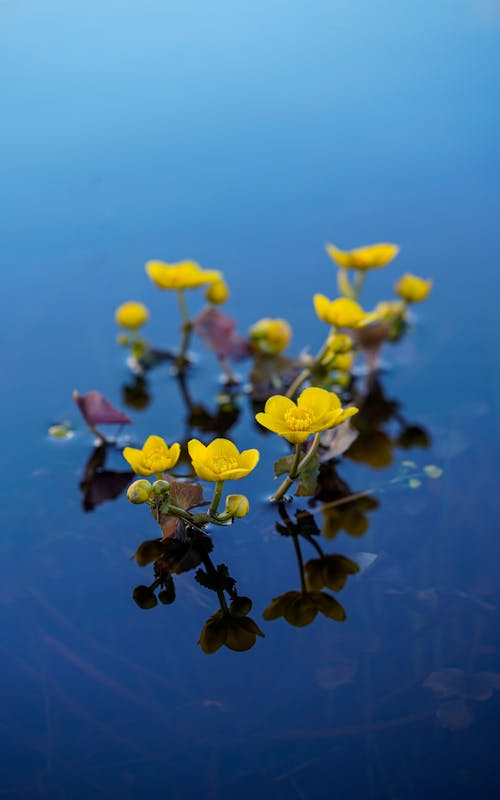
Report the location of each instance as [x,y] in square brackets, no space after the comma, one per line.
[297,467]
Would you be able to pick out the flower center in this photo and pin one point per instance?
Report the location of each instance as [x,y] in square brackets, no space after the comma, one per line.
[222,464]
[155,461]
[299,419]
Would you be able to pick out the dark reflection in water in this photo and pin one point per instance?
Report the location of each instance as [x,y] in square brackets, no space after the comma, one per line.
[247,136]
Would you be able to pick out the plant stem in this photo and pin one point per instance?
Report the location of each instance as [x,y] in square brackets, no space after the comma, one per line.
[348,499]
[300,562]
[358,283]
[305,374]
[187,327]
[297,467]
[214,505]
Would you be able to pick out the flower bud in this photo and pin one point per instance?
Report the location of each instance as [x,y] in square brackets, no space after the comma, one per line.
[237,505]
[160,487]
[139,492]
[217,292]
[131,315]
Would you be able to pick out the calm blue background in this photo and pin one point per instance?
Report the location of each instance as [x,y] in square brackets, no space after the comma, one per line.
[245,136]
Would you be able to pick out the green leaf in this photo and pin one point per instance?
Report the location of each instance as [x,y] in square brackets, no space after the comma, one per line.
[308,479]
[283,465]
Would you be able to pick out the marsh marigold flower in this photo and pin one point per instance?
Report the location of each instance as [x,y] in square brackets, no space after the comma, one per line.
[131,315]
[271,335]
[155,457]
[315,410]
[221,460]
[217,292]
[370,257]
[412,288]
[182,275]
[341,313]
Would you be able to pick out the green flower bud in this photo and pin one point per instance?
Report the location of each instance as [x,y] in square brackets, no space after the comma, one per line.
[160,487]
[237,505]
[139,491]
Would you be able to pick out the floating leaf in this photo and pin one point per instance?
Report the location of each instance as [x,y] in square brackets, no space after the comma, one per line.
[218,333]
[97,410]
[61,430]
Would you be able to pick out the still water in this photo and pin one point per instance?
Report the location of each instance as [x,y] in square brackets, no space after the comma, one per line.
[246,136]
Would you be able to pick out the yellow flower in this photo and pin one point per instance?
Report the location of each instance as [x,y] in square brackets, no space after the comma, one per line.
[131,315]
[154,457]
[316,410]
[183,275]
[217,292]
[369,257]
[412,288]
[271,335]
[341,313]
[221,460]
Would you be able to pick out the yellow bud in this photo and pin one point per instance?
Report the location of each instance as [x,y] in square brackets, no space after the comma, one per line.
[131,315]
[139,492]
[237,505]
[217,292]
[412,288]
[271,335]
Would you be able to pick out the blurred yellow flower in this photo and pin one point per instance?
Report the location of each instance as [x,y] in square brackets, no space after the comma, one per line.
[271,335]
[412,288]
[131,315]
[155,456]
[183,275]
[341,313]
[316,410]
[221,460]
[217,292]
[369,257]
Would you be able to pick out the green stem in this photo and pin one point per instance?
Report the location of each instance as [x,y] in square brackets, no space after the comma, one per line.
[214,505]
[187,327]
[297,467]
[358,283]
[300,562]
[305,374]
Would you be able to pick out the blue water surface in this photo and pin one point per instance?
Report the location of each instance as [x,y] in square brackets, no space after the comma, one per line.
[246,136]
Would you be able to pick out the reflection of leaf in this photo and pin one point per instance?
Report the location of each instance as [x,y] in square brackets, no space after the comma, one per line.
[308,478]
[97,410]
[218,580]
[337,440]
[455,715]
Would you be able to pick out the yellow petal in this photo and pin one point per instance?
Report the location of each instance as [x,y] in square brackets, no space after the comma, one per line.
[249,459]
[134,458]
[197,450]
[319,400]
